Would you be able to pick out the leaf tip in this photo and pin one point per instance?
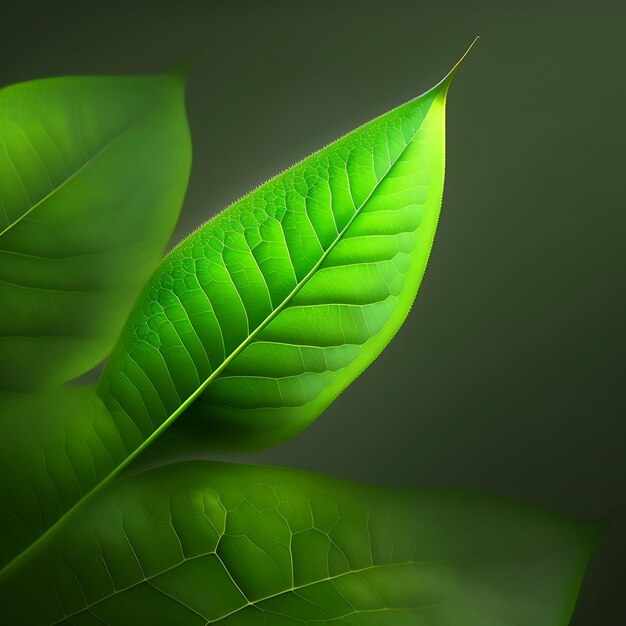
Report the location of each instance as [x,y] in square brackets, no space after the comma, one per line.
[183,68]
[444,84]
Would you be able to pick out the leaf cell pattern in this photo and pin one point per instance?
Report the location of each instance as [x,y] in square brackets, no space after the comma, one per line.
[259,319]
[205,543]
[226,308]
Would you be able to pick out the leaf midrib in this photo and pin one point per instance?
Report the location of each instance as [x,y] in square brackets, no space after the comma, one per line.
[148,579]
[69,178]
[255,602]
[281,307]
[102,150]
[194,396]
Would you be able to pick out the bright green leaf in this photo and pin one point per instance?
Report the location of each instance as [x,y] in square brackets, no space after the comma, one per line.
[138,415]
[93,171]
[205,543]
[260,318]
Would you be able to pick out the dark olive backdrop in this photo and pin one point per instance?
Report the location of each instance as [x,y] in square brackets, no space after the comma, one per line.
[508,374]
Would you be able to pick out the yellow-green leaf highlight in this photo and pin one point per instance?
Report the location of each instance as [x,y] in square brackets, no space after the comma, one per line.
[260,318]
[257,320]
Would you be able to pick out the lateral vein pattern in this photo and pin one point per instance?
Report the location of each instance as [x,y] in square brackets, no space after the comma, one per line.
[272,308]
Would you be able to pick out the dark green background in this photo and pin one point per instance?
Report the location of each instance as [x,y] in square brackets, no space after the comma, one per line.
[508,375]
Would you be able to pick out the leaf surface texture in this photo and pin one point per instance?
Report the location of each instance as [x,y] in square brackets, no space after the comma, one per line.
[207,543]
[93,171]
[200,327]
[260,318]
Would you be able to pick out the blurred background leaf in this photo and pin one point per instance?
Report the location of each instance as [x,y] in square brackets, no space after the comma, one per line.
[55,447]
[94,171]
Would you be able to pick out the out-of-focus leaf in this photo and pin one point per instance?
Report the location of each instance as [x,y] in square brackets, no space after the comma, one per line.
[93,171]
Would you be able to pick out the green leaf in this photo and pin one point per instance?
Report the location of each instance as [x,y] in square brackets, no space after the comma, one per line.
[206,543]
[260,318]
[56,446]
[78,465]
[93,172]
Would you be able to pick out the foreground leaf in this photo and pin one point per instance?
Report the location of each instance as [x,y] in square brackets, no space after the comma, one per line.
[204,543]
[93,172]
[136,399]
[259,319]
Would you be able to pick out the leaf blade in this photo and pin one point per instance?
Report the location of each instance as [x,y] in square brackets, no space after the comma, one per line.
[84,162]
[233,287]
[236,543]
[57,447]
[138,428]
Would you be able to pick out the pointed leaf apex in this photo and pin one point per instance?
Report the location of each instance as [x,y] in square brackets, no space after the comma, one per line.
[183,68]
[444,84]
